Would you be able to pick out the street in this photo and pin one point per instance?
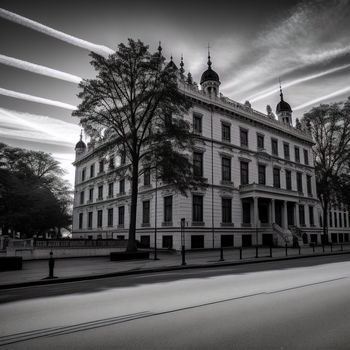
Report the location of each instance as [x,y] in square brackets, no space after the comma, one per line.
[298,304]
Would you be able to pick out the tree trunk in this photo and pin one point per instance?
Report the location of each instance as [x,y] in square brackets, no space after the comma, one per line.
[132,246]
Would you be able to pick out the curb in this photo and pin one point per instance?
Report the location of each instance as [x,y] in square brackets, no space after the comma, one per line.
[161,269]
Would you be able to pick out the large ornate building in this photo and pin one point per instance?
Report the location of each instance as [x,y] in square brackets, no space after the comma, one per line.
[260,175]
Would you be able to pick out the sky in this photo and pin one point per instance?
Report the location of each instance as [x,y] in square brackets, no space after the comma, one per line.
[45,53]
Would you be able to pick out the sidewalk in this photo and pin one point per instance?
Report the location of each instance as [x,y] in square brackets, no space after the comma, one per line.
[73,269]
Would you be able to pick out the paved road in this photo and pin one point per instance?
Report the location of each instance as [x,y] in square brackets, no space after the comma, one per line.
[300,304]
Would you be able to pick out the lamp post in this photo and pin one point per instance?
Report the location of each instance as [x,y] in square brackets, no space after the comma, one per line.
[155,217]
[183,241]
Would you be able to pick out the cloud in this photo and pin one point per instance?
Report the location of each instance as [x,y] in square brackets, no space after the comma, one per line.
[13,17]
[323,98]
[39,69]
[31,98]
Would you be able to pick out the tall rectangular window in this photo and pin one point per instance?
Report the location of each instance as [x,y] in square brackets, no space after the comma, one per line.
[226,132]
[311,215]
[340,220]
[81,216]
[198,164]
[111,163]
[276,178]
[91,194]
[147,177]
[262,174]
[244,137]
[301,215]
[99,218]
[146,212]
[197,210]
[82,197]
[101,166]
[345,221]
[335,220]
[121,212]
[168,209]
[92,170]
[83,174]
[197,123]
[274,147]
[308,183]
[299,182]
[244,173]
[286,151]
[100,192]
[226,169]
[297,154]
[226,204]
[260,141]
[122,158]
[288,180]
[110,189]
[330,219]
[306,157]
[122,186]
[110,217]
[89,219]
[246,212]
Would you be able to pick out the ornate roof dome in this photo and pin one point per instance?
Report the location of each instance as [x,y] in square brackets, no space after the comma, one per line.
[171,64]
[81,143]
[209,74]
[283,106]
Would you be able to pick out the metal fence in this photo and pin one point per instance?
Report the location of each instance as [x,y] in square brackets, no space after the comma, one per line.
[79,243]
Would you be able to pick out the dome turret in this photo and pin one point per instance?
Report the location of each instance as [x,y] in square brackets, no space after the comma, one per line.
[283,110]
[80,147]
[210,80]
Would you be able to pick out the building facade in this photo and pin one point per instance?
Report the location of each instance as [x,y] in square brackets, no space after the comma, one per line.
[259,172]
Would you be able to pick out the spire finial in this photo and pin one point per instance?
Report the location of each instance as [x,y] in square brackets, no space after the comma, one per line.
[160,48]
[182,70]
[209,61]
[281,93]
[81,135]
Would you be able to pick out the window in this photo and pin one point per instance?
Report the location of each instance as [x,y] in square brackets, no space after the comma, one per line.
[197,123]
[340,220]
[244,137]
[311,215]
[100,192]
[301,215]
[226,169]
[286,151]
[197,209]
[111,163]
[226,132]
[101,166]
[297,154]
[99,218]
[260,141]
[330,219]
[288,180]
[335,220]
[122,186]
[110,217]
[90,219]
[122,158]
[244,173]
[299,182]
[121,212]
[306,157]
[147,177]
[81,216]
[91,194]
[274,147]
[276,178]
[197,164]
[83,174]
[168,209]
[110,189]
[82,195]
[308,183]
[92,170]
[146,212]
[226,210]
[345,223]
[246,212]
[167,242]
[262,174]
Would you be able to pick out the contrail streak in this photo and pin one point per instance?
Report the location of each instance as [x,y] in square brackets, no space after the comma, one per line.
[322,98]
[37,99]
[38,69]
[270,91]
[13,17]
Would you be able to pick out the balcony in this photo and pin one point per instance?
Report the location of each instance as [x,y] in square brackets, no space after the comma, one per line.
[253,189]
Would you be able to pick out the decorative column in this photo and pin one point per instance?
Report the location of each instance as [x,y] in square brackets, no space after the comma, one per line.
[256,214]
[296,217]
[285,215]
[273,212]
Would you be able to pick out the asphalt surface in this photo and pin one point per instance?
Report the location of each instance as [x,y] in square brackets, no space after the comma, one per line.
[297,304]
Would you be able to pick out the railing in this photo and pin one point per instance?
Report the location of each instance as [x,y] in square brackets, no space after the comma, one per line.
[281,232]
[80,243]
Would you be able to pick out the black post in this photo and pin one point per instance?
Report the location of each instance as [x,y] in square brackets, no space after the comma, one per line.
[286,249]
[270,251]
[341,246]
[155,218]
[331,247]
[183,256]
[256,251]
[323,247]
[221,254]
[313,247]
[299,250]
[51,265]
[240,253]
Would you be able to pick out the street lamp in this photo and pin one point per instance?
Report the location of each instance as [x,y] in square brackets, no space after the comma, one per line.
[155,217]
[183,220]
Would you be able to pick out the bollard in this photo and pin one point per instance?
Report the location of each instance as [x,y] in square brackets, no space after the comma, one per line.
[256,252]
[183,256]
[51,265]
[313,248]
[221,254]
[270,251]
[299,250]
[286,249]
[323,248]
[240,253]
[331,247]
[341,246]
